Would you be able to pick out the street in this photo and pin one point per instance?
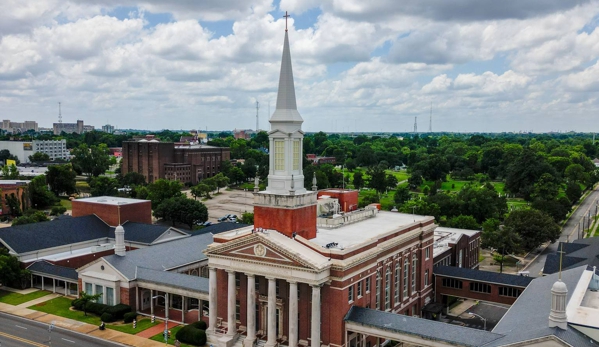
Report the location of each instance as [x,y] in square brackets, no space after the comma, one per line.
[19,332]
[569,232]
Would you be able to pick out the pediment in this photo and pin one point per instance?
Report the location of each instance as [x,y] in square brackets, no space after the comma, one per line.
[255,248]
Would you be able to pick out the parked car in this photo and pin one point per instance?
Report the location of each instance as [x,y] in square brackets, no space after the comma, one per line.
[207,224]
[233,220]
[223,219]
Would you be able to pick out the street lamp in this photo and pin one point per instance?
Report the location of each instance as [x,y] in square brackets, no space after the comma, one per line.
[481,317]
[165,297]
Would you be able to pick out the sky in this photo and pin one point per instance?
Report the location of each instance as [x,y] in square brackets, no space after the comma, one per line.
[480,65]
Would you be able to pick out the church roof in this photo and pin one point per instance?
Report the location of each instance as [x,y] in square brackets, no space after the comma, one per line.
[577,253]
[428,329]
[286,110]
[528,317]
[483,276]
[45,267]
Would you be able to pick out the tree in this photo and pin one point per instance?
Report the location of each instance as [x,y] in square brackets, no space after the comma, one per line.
[358,180]
[402,194]
[481,203]
[524,171]
[421,207]
[391,181]
[182,210]
[573,191]
[84,298]
[415,180]
[463,222]
[39,194]
[249,168]
[10,172]
[30,216]
[92,161]
[236,175]
[504,240]
[576,173]
[103,186]
[61,179]
[534,227]
[11,273]
[221,181]
[247,218]
[5,154]
[163,189]
[39,157]
[546,188]
[12,201]
[132,179]
[378,179]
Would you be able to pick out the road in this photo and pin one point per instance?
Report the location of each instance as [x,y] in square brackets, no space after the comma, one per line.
[19,332]
[569,232]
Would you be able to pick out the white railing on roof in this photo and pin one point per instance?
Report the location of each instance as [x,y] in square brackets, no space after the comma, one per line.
[346,218]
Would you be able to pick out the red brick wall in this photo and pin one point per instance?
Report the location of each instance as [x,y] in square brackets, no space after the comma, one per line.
[348,199]
[300,220]
[128,297]
[466,293]
[140,212]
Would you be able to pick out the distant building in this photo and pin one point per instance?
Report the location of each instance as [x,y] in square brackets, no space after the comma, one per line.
[19,189]
[243,133]
[16,127]
[456,247]
[108,128]
[316,160]
[68,128]
[55,149]
[596,162]
[185,162]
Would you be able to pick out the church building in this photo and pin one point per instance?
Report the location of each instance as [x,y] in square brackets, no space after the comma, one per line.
[292,277]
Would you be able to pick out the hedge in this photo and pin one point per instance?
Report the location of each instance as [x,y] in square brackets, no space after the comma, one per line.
[199,325]
[191,335]
[95,308]
[107,317]
[118,311]
[129,317]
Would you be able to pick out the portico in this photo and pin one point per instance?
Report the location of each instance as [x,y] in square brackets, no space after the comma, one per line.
[265,289]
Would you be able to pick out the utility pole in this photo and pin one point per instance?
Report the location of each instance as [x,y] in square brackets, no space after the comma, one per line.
[257,119]
[430,120]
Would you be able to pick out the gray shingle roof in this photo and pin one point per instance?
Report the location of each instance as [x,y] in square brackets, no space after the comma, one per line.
[218,228]
[44,267]
[65,231]
[173,279]
[483,276]
[162,256]
[577,253]
[528,317]
[427,329]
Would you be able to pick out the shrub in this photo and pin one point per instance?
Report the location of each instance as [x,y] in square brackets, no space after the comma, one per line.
[58,210]
[129,317]
[107,317]
[118,311]
[77,304]
[191,335]
[95,308]
[199,325]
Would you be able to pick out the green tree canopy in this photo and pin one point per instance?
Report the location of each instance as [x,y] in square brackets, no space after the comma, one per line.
[534,227]
[103,186]
[163,189]
[39,193]
[11,273]
[61,179]
[92,161]
[182,210]
[39,157]
[463,222]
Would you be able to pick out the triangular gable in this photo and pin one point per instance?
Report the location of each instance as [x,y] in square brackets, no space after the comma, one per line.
[256,247]
[274,131]
[100,266]
[169,235]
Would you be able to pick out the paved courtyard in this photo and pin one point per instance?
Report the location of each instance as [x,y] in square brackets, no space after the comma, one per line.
[228,202]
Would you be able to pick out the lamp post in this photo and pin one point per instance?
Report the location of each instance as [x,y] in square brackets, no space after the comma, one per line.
[481,317]
[414,212]
[165,297]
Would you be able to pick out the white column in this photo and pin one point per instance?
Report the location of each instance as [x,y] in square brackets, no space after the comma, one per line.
[212,300]
[43,284]
[53,285]
[315,316]
[293,328]
[231,326]
[251,310]
[272,313]
[183,308]
[166,305]
[152,302]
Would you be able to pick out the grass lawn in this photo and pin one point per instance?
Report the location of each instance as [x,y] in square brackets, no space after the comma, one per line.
[66,202]
[17,299]
[82,186]
[171,340]
[454,186]
[516,204]
[142,324]
[61,307]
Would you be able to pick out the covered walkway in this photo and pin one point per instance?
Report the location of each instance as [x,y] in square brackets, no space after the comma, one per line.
[54,278]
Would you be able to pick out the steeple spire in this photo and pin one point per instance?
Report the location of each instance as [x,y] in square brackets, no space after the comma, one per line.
[286,110]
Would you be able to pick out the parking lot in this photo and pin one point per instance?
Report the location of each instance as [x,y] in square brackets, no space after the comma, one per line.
[228,202]
[491,312]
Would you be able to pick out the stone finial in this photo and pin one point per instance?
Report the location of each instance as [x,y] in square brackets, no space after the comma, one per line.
[314,183]
[256,184]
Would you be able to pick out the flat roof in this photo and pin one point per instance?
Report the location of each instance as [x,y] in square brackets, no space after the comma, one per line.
[111,200]
[350,235]
[445,235]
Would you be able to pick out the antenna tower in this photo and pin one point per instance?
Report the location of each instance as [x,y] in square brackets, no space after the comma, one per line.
[430,120]
[59,114]
[257,122]
[415,124]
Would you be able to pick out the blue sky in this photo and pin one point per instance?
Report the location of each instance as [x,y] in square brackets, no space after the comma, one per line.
[358,66]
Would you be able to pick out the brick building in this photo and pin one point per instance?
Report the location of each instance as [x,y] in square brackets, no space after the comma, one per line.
[294,275]
[456,247]
[17,188]
[185,162]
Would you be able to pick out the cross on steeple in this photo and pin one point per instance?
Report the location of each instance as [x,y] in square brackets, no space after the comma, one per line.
[561,251]
[286,16]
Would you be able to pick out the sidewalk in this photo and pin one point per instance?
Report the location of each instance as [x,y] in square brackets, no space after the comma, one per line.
[80,327]
[460,308]
[38,300]
[19,291]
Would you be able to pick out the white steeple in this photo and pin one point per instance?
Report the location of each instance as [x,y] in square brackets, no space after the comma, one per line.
[557,316]
[119,236]
[286,136]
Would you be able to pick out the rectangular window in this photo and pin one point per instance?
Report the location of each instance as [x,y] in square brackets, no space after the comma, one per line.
[427,252]
[100,290]
[350,294]
[406,265]
[89,289]
[296,154]
[279,155]
[511,292]
[480,287]
[237,311]
[451,283]
[378,292]
[396,291]
[237,280]
[414,260]
[368,285]
[360,289]
[426,278]
[388,289]
[109,296]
